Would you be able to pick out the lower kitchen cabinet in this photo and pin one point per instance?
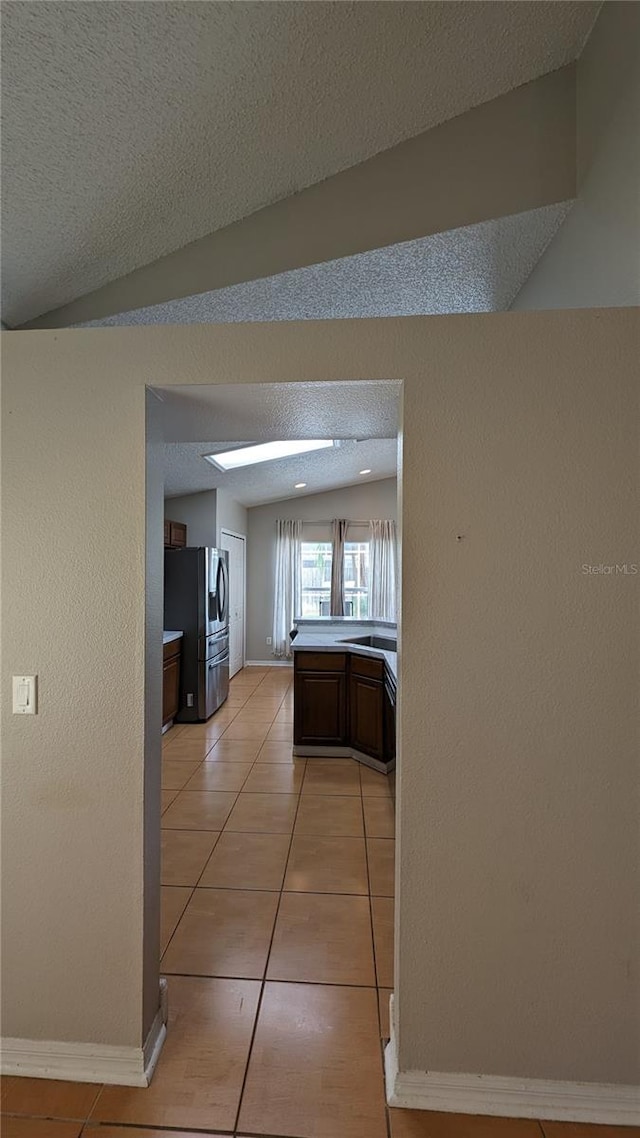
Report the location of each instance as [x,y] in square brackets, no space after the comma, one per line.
[172,653]
[344,700]
[320,688]
[366,712]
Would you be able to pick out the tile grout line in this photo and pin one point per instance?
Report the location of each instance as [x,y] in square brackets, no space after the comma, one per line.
[266,963]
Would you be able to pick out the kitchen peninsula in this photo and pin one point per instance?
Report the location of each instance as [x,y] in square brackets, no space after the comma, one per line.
[345,683]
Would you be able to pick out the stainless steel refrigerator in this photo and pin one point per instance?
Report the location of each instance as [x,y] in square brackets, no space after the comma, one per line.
[196,602]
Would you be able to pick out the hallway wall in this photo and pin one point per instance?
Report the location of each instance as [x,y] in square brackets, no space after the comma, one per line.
[593,259]
[518,877]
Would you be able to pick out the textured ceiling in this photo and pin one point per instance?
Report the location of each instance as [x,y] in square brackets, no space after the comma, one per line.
[186,472]
[201,420]
[480,268]
[130,129]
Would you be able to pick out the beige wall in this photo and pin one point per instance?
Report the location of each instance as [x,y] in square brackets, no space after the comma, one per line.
[595,257]
[231,515]
[368,500]
[518,869]
[199,513]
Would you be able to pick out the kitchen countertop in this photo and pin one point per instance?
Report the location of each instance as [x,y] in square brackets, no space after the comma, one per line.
[167,637]
[334,640]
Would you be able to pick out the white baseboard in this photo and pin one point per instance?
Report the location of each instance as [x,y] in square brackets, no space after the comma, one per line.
[269,663]
[612,1103]
[84,1062]
[343,752]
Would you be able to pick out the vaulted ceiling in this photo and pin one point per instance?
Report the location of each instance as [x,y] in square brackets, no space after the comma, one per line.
[131,129]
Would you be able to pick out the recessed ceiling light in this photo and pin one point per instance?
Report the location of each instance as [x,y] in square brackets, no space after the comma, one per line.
[264,452]
[367,471]
[299,485]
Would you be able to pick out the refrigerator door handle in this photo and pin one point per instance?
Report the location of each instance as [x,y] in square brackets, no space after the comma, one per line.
[222,590]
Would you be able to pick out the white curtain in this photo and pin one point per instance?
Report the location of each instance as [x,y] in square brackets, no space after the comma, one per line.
[288,584]
[338,535]
[382,568]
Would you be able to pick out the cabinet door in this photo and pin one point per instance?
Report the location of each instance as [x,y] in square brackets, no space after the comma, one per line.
[366,705]
[178,535]
[170,689]
[167,533]
[389,726]
[320,709]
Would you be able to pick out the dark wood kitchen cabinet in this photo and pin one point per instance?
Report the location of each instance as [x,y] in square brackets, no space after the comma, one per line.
[366,706]
[172,653]
[175,535]
[320,699]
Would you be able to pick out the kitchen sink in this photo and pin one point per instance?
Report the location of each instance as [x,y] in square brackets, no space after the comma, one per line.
[383,642]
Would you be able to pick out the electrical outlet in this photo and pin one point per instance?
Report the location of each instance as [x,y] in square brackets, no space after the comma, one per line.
[268,640]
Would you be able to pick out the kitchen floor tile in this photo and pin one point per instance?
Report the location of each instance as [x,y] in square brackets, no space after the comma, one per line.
[263,813]
[176,773]
[315,1069]
[199,810]
[281,732]
[382,909]
[173,900]
[247,861]
[38,1128]
[326,865]
[374,784]
[198,1079]
[384,995]
[323,939]
[247,731]
[278,752]
[51,1098]
[194,751]
[433,1124]
[223,932]
[234,751]
[166,798]
[332,776]
[381,858]
[281,778]
[330,816]
[185,854]
[379,817]
[219,776]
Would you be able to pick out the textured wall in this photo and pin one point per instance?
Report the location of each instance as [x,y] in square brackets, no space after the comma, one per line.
[595,257]
[517,899]
[371,500]
[198,512]
[231,515]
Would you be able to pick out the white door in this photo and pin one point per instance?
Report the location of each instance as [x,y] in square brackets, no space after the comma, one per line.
[235,545]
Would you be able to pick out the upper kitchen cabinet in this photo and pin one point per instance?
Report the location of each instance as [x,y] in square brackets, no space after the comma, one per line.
[175,535]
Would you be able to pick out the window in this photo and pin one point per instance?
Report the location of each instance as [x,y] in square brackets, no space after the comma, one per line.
[316,579]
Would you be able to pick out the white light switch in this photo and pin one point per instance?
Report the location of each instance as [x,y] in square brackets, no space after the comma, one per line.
[24,695]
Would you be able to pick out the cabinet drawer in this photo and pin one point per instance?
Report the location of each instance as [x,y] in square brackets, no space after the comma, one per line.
[173,648]
[367,666]
[320,661]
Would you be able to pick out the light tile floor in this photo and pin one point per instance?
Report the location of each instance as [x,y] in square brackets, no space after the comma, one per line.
[277,942]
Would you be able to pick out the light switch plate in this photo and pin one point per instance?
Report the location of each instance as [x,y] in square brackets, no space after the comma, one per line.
[25,689]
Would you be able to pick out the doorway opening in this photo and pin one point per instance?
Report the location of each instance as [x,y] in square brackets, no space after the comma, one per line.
[276,855]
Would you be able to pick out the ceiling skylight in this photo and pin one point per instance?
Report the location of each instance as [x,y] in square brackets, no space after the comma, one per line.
[264,452]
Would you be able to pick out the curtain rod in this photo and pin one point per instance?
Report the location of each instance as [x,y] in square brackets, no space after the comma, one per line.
[328,521]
